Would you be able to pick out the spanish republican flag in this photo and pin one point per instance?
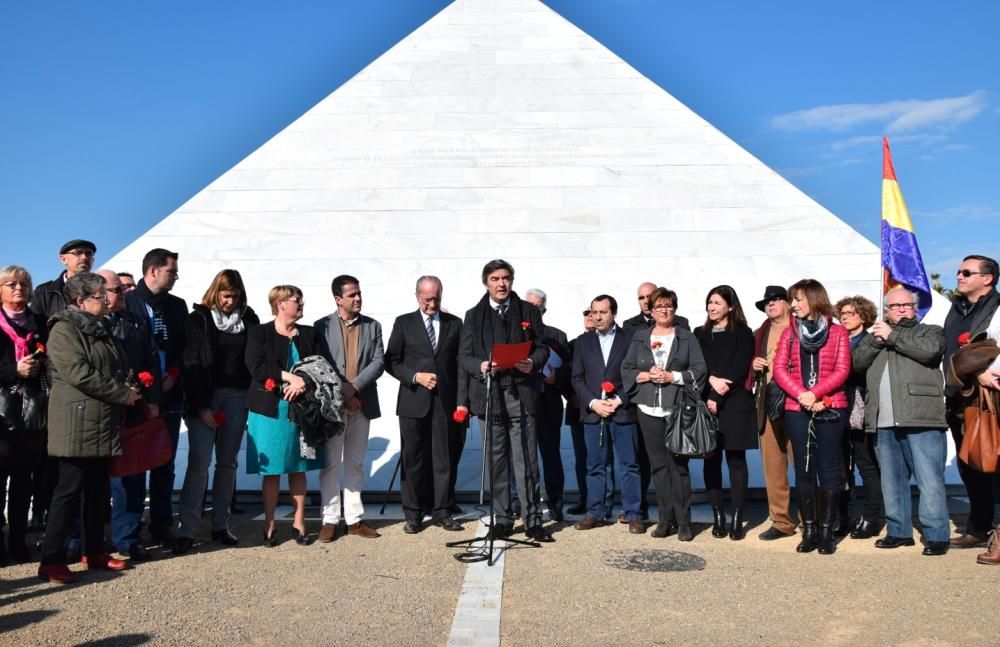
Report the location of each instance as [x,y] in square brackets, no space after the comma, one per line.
[901,261]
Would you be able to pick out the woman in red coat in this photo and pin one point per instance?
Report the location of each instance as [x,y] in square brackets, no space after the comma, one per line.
[811,365]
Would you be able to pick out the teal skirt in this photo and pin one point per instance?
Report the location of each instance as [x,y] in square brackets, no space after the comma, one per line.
[273,445]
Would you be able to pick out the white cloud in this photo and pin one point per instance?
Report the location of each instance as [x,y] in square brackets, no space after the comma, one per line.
[876,140]
[964,212]
[897,116]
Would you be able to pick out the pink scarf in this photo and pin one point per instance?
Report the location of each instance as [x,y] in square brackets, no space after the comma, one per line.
[22,345]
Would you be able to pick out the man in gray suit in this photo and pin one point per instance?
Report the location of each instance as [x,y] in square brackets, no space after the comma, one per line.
[352,343]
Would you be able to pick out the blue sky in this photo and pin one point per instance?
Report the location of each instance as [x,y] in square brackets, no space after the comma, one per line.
[112,114]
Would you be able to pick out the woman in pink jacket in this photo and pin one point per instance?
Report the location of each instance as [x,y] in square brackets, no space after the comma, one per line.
[812,363]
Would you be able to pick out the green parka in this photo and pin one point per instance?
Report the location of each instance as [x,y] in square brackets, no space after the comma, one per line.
[88,390]
[913,352]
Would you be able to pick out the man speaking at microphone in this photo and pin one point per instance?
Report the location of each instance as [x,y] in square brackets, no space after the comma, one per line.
[501,317]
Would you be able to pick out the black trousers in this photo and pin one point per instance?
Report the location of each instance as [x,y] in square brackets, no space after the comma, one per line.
[18,500]
[862,451]
[978,485]
[426,463]
[513,431]
[81,494]
[645,474]
[739,476]
[671,474]
[549,440]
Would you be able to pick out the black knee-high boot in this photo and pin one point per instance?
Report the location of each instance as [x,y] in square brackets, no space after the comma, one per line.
[807,509]
[827,521]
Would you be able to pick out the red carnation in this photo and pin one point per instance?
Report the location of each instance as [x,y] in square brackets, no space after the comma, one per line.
[219,418]
[525,325]
[964,338]
[174,372]
[607,388]
[146,379]
[39,349]
[270,384]
[827,401]
[460,416]
[656,345]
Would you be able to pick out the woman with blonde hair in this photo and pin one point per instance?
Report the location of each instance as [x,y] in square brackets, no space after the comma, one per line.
[273,441]
[216,380]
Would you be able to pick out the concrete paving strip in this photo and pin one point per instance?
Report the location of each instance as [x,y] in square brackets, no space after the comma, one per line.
[477,614]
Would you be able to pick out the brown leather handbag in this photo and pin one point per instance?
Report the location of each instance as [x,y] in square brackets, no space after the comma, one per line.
[980,448]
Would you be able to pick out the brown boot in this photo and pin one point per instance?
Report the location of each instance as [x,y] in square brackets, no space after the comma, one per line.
[359,529]
[992,554]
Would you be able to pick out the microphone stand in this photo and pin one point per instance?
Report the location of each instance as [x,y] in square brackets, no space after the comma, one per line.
[480,549]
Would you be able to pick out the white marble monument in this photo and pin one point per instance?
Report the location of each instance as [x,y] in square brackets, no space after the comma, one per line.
[499,129]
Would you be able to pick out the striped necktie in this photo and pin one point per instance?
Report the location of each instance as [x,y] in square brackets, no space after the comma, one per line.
[430,334]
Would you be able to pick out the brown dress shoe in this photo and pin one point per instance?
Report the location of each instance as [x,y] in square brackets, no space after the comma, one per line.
[636,526]
[992,554]
[361,530]
[622,518]
[589,522]
[329,532]
[968,540]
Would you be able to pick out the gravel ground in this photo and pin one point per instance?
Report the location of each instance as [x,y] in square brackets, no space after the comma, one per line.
[396,590]
[750,592]
[402,590]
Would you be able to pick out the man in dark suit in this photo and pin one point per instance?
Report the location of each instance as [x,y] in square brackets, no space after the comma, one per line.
[642,321]
[352,343]
[555,373]
[608,417]
[423,355]
[501,317]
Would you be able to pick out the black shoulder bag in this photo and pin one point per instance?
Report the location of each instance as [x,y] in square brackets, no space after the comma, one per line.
[691,429]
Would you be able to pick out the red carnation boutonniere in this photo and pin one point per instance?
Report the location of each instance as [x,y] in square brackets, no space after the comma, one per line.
[460,416]
[270,384]
[219,418]
[964,338]
[525,325]
[607,388]
[146,379]
[656,345]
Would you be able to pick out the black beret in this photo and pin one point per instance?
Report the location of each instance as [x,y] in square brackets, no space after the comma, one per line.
[78,244]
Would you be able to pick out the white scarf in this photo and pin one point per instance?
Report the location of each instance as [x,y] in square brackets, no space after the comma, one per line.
[229,324]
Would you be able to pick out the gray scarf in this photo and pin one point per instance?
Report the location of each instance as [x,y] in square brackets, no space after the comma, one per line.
[813,334]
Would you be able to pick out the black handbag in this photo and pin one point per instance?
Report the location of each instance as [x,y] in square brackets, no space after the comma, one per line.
[691,429]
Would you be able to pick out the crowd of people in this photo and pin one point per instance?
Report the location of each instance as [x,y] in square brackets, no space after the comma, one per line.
[828,386]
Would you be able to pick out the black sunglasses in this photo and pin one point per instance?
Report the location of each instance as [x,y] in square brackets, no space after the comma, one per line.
[968,273]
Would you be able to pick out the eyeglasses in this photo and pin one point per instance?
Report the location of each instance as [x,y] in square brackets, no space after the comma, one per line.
[101,297]
[10,285]
[81,252]
[968,273]
[848,313]
[899,306]
[117,290]
[296,300]
[663,307]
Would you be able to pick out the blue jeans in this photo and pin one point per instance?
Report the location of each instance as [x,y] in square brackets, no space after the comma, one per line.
[580,467]
[128,500]
[818,459]
[161,479]
[626,441]
[202,440]
[919,453]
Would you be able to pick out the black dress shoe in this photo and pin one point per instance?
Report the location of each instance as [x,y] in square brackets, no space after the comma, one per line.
[935,548]
[164,537]
[182,545]
[894,542]
[866,530]
[412,527]
[537,533]
[555,513]
[685,534]
[969,540]
[454,509]
[301,538]
[771,534]
[516,512]
[225,537]
[138,553]
[579,508]
[664,529]
[448,524]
